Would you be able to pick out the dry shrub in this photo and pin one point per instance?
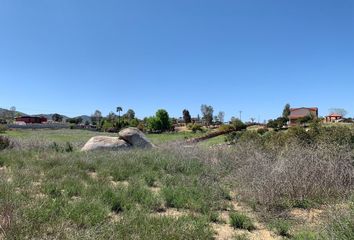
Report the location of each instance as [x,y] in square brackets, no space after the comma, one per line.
[4,142]
[6,217]
[307,172]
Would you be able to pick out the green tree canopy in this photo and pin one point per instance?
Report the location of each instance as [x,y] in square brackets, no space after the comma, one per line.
[286,111]
[186,116]
[207,112]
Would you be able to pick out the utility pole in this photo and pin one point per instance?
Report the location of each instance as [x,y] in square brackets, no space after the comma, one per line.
[240,115]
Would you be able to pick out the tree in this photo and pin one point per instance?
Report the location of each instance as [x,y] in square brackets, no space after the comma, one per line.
[96,118]
[238,125]
[286,111]
[130,114]
[186,116]
[207,112]
[119,109]
[111,117]
[76,120]
[221,116]
[13,112]
[340,111]
[79,120]
[163,116]
[278,123]
[57,117]
[304,120]
[154,124]
[252,119]
[160,122]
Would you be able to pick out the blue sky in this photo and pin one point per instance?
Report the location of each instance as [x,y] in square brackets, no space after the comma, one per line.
[73,57]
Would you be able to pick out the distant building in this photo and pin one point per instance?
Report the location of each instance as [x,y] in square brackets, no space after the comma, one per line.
[298,113]
[30,119]
[334,117]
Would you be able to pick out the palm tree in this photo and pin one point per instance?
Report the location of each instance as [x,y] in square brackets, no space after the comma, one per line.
[119,109]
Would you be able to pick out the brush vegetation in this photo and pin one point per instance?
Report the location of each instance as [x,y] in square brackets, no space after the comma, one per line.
[50,190]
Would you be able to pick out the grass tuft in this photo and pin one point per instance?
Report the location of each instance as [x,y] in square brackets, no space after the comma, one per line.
[241,221]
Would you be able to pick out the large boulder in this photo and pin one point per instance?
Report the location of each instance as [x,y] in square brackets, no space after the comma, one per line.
[135,137]
[105,142]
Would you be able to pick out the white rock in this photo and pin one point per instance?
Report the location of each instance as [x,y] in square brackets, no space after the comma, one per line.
[135,137]
[105,142]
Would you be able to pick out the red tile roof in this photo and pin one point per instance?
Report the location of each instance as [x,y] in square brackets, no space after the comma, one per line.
[296,113]
[334,115]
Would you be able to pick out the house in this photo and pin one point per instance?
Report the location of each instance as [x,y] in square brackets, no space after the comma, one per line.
[30,119]
[334,117]
[296,114]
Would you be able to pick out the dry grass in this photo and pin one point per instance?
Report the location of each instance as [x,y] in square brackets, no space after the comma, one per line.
[295,174]
[134,194]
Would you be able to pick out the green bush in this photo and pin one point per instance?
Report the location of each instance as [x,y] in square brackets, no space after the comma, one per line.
[238,125]
[241,221]
[68,147]
[194,127]
[87,214]
[3,128]
[341,224]
[226,127]
[281,227]
[278,123]
[262,131]
[107,126]
[306,235]
[4,142]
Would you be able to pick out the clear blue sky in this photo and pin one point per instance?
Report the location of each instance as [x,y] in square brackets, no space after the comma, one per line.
[75,56]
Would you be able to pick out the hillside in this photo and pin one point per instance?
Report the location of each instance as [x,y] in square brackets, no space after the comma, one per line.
[5,113]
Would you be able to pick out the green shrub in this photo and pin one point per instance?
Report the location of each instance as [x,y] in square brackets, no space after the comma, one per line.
[4,142]
[238,125]
[194,127]
[226,127]
[87,214]
[241,221]
[281,227]
[278,123]
[303,203]
[72,187]
[214,217]
[58,148]
[3,128]
[68,147]
[251,136]
[306,235]
[233,137]
[108,126]
[341,224]
[191,197]
[262,131]
[138,193]
[55,147]
[150,178]
[53,190]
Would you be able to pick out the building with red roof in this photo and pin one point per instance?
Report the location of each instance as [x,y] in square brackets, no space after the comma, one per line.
[298,113]
[334,117]
[31,119]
